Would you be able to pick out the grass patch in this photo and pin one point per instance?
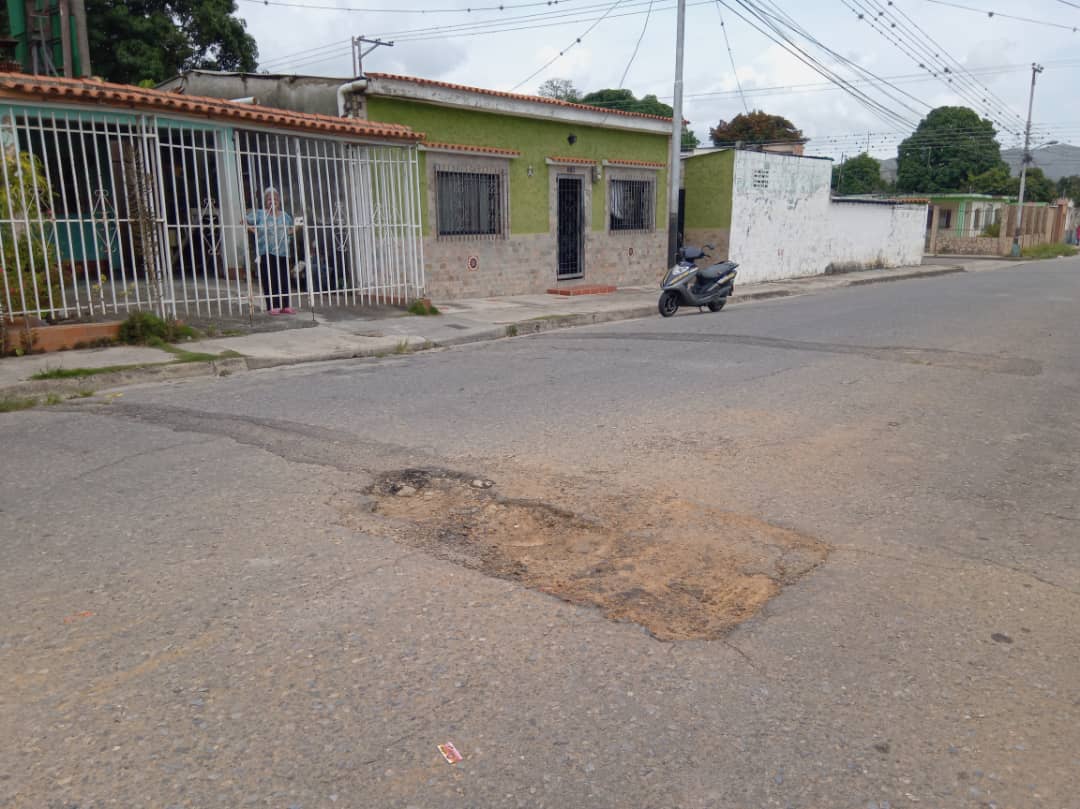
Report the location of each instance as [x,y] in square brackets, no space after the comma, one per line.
[1049,251]
[11,404]
[183,355]
[80,373]
[512,330]
[423,308]
[402,347]
[140,328]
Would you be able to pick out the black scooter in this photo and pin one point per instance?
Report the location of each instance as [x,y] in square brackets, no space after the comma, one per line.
[686,284]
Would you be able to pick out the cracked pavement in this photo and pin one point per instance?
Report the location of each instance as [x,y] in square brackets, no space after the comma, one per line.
[192,619]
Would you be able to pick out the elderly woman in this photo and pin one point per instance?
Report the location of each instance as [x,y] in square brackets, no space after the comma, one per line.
[273,228]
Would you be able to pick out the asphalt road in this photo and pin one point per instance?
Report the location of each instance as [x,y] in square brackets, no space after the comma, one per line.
[195,615]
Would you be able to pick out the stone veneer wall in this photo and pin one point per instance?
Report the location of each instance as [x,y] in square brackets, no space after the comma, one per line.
[526,264]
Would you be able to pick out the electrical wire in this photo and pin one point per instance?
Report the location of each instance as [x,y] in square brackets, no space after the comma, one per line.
[920,52]
[731,57]
[935,43]
[1046,23]
[641,36]
[425,10]
[880,110]
[571,46]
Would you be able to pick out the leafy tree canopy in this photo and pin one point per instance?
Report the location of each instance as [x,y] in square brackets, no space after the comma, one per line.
[754,127]
[626,100]
[559,89]
[996,180]
[148,41]
[858,175]
[950,145]
[1038,188]
[1069,187]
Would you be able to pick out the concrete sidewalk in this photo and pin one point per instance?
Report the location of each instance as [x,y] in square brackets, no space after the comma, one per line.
[345,334]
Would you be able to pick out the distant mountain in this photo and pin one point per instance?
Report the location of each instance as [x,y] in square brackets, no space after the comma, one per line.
[888,169]
[1057,161]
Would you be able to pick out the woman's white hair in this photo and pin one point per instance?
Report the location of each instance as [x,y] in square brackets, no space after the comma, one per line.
[270,190]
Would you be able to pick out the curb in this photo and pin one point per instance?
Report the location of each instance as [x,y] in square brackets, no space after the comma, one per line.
[232,365]
[157,373]
[858,282]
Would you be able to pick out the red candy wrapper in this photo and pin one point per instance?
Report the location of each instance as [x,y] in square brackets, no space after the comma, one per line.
[450,753]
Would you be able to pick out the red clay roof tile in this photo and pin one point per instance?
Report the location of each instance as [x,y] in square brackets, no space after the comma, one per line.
[517,96]
[463,147]
[18,85]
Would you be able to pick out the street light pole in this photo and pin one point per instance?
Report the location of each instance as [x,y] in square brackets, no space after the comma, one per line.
[675,159]
[1036,69]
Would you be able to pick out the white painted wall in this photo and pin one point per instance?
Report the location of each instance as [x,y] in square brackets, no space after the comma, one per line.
[779,216]
[784,223]
[867,234]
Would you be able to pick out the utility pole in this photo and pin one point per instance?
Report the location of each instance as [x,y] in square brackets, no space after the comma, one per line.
[675,160]
[359,53]
[1036,69]
[64,11]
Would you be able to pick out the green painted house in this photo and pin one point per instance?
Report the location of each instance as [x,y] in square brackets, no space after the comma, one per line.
[521,194]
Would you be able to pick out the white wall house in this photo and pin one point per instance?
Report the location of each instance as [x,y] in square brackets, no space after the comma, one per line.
[784,222]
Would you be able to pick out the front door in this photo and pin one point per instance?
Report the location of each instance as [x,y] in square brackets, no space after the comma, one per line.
[569,227]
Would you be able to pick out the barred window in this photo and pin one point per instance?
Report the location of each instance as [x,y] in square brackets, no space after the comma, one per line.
[631,204]
[469,203]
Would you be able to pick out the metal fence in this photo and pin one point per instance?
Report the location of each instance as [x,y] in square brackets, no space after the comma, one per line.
[102,213]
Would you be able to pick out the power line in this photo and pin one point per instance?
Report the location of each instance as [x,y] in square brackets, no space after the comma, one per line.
[637,45]
[425,10]
[576,42]
[934,42]
[963,87]
[1046,23]
[731,57]
[882,111]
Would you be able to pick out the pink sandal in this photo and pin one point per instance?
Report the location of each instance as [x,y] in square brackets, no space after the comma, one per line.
[288,310]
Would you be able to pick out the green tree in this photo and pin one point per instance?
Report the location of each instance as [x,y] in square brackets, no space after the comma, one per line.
[626,100]
[1069,187]
[140,41]
[649,105]
[755,127]
[996,181]
[1038,188]
[559,89]
[950,146]
[858,175]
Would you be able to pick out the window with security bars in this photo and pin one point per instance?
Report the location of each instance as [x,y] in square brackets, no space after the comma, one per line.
[631,204]
[469,203]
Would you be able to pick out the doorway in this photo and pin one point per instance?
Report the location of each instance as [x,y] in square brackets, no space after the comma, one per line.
[570,231]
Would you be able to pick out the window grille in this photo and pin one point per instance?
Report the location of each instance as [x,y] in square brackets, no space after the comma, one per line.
[761,178]
[469,203]
[631,204]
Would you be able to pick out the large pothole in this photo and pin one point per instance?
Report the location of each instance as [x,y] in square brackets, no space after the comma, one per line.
[679,570]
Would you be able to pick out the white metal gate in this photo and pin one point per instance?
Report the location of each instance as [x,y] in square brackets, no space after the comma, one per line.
[104,213]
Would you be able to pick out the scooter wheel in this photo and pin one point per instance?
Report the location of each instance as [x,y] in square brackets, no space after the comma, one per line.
[669,303]
[716,306]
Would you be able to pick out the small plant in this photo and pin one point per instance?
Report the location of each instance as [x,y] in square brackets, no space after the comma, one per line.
[402,347]
[53,399]
[143,328]
[12,403]
[512,330]
[1049,251]
[423,307]
[81,373]
[993,230]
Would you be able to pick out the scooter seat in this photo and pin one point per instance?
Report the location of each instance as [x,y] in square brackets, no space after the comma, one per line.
[712,273]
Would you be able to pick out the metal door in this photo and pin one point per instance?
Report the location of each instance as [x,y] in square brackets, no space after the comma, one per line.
[569,227]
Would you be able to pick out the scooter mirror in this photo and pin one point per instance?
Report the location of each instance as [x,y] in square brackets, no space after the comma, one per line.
[710,246]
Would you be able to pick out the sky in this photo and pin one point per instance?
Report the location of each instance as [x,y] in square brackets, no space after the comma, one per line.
[989,57]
